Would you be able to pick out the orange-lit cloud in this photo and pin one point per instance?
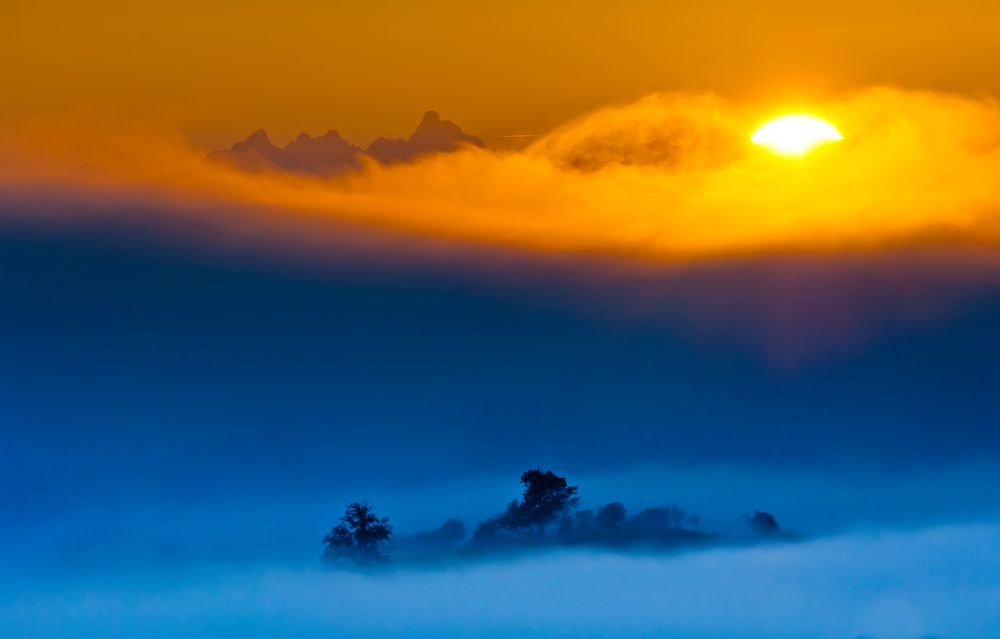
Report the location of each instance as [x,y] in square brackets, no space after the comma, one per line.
[662,208]
[671,177]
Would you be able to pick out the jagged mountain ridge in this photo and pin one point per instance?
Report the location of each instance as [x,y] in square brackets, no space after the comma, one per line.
[330,153]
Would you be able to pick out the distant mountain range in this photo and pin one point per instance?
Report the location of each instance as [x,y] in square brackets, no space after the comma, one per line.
[330,153]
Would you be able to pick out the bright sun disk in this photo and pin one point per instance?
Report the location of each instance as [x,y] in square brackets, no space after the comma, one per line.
[795,135]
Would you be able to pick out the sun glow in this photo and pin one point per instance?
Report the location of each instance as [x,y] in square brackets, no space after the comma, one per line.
[795,135]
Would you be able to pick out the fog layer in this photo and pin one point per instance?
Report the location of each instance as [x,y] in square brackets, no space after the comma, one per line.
[935,582]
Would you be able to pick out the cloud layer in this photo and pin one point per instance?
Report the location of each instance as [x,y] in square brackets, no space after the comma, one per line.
[936,582]
[669,177]
[661,206]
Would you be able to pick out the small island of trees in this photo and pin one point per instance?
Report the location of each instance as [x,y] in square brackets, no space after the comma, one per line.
[546,516]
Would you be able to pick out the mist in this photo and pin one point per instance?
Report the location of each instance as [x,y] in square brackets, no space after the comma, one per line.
[933,582]
[120,532]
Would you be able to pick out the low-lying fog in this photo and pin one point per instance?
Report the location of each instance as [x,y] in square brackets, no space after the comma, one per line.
[911,554]
[941,581]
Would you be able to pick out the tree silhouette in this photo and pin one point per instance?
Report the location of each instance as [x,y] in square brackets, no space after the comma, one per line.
[362,536]
[545,498]
[660,518]
[546,495]
[610,516]
[449,533]
[763,523]
[583,520]
[510,521]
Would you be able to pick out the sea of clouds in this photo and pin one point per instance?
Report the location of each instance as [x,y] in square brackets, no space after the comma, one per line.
[909,555]
[936,582]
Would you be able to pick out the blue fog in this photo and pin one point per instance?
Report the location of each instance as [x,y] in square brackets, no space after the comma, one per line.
[938,582]
[179,427]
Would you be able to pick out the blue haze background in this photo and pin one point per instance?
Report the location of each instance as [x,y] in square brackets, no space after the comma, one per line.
[165,408]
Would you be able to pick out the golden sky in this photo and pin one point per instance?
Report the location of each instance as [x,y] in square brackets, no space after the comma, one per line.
[668,177]
[644,113]
[216,70]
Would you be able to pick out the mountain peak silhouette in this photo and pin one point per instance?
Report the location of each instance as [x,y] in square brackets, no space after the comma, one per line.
[330,153]
[257,142]
[256,153]
[433,135]
[258,138]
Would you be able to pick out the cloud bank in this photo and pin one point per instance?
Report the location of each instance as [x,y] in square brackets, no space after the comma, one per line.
[681,215]
[935,582]
[669,177]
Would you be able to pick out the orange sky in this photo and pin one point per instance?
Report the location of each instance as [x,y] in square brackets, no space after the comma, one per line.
[218,70]
[645,112]
[671,176]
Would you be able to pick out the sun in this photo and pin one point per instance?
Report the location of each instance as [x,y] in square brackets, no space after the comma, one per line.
[795,135]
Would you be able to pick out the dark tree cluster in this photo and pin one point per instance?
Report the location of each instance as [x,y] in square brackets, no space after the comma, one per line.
[546,497]
[546,515]
[361,536]
[763,524]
